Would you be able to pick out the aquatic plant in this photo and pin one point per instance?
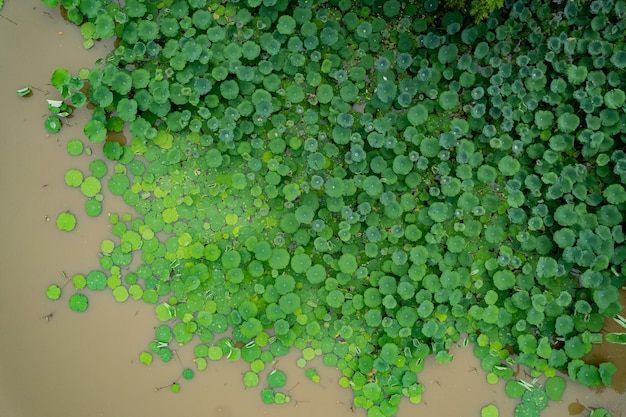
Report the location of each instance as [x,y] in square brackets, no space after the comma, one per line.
[352,180]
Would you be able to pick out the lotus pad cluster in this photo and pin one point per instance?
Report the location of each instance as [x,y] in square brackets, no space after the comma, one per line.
[364,181]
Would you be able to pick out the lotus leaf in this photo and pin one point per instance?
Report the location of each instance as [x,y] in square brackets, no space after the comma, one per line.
[66,221]
[568,122]
[78,302]
[53,124]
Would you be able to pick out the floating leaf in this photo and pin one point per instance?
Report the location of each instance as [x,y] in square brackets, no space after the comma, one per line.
[145,358]
[555,387]
[53,292]
[78,302]
[52,124]
[276,379]
[489,411]
[95,131]
[74,147]
[66,221]
[118,184]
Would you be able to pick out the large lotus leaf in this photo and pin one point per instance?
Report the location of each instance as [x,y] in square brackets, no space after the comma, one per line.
[614,99]
[449,100]
[78,302]
[615,194]
[448,53]
[544,119]
[576,74]
[568,122]
[589,376]
[504,280]
[95,131]
[66,221]
[417,114]
[387,91]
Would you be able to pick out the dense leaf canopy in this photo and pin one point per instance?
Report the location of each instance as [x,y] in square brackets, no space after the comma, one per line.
[370,182]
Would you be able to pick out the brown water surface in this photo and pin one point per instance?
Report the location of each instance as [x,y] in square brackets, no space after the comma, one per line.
[58,363]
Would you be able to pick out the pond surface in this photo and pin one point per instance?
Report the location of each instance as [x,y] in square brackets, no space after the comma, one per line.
[58,363]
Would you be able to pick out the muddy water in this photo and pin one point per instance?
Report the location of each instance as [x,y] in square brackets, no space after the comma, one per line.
[70,364]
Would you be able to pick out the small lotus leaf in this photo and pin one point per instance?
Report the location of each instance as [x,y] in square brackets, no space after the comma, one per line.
[78,302]
[276,379]
[66,221]
[53,292]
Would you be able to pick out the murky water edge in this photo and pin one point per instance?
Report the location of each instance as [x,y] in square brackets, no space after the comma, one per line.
[72,364]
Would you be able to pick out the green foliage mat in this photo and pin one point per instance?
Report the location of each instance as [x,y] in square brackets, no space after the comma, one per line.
[364,181]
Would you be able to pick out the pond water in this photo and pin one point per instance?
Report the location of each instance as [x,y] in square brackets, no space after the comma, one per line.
[55,362]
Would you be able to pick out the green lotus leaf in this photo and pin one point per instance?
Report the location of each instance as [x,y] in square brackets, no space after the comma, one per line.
[504,280]
[334,187]
[607,370]
[387,91]
[555,387]
[514,389]
[53,292]
[604,297]
[439,212]
[53,124]
[93,207]
[96,280]
[127,109]
[188,374]
[231,259]
[78,302]
[73,177]
[284,284]
[544,119]
[324,93]
[568,122]
[615,194]
[90,186]
[614,99]
[60,78]
[229,89]
[78,99]
[588,375]
[98,168]
[145,358]
[201,19]
[576,74]
[347,263]
[232,52]
[406,316]
[289,303]
[95,131]
[449,100]
[546,267]
[575,348]
[286,25]
[448,54]
[118,184]
[619,58]
[316,274]
[120,294]
[609,215]
[489,411]
[301,263]
[66,221]
[335,299]
[279,259]
[250,379]
[74,147]
[364,30]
